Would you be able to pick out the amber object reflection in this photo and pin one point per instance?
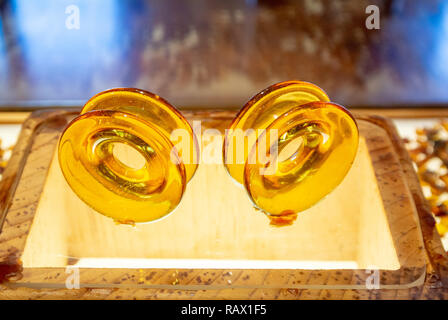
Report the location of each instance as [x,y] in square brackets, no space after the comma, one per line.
[289,146]
[149,184]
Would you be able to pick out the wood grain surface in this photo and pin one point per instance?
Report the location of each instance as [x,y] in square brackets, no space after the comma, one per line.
[420,270]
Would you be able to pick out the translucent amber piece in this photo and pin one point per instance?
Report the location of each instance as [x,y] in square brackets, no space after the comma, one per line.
[139,191]
[289,146]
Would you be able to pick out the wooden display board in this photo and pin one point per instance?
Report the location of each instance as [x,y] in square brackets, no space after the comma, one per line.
[216,245]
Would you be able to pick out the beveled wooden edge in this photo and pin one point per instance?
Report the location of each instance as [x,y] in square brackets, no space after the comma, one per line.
[437,256]
[207,279]
[19,114]
[359,276]
[12,117]
[10,264]
[404,113]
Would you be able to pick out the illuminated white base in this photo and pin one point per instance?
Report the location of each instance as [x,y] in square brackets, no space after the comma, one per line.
[211,264]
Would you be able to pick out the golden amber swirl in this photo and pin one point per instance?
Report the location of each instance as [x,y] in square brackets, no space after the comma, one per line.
[128,192]
[290,147]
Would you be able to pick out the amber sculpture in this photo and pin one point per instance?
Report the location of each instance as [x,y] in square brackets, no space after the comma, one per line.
[139,121]
[313,148]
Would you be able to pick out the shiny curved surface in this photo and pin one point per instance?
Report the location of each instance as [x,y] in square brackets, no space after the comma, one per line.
[298,147]
[128,191]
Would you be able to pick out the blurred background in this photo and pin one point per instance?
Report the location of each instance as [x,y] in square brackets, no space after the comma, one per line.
[214,53]
[219,53]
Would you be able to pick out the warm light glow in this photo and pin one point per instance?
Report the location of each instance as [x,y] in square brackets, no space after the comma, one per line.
[211,264]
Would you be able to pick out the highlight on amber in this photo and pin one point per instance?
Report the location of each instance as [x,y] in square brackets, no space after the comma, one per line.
[313,148]
[118,158]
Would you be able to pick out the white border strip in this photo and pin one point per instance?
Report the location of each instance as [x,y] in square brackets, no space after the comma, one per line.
[212,264]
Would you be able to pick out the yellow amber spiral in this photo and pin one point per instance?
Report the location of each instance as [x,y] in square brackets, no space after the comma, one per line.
[142,122]
[290,147]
